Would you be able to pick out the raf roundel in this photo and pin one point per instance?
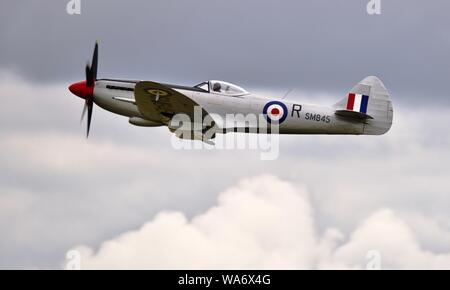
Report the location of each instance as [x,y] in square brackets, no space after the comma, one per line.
[275,112]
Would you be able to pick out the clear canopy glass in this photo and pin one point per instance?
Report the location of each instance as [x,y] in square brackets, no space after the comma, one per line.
[221,87]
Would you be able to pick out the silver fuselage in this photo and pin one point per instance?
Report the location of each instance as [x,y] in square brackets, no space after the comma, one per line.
[111,95]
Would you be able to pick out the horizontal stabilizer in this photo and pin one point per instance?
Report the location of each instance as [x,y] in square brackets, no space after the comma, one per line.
[353,115]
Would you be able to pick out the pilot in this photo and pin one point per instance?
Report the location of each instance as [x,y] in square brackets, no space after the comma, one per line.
[217,87]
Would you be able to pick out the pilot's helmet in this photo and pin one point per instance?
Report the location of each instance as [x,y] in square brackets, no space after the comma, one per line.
[216,87]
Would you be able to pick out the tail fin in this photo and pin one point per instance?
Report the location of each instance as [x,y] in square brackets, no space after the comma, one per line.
[368,102]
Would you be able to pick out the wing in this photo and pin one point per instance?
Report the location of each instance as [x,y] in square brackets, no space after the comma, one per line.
[160,103]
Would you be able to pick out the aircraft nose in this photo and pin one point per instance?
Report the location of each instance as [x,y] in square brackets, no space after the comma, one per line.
[81,90]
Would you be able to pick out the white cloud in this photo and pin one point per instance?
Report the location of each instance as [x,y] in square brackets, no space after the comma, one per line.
[396,241]
[262,222]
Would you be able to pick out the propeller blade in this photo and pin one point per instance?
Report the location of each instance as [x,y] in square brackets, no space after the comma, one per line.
[94,63]
[90,106]
[89,81]
[84,112]
[91,70]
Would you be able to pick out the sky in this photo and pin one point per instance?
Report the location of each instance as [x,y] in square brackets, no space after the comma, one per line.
[125,198]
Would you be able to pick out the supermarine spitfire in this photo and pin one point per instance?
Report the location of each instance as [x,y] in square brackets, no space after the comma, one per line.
[365,110]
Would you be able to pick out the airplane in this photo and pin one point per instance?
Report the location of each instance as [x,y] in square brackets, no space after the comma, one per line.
[365,110]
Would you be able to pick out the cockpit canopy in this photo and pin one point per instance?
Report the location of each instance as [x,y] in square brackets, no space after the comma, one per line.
[221,87]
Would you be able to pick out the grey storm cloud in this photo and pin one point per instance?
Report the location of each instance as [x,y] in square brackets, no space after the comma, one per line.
[311,44]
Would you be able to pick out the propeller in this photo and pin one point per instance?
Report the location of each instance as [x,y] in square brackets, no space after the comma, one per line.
[91,77]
